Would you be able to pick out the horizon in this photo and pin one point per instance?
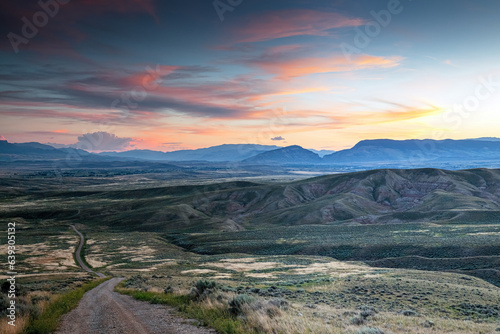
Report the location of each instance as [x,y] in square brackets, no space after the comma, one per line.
[77,146]
[177,76]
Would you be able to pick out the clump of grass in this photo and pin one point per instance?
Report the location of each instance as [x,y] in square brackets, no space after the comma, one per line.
[203,285]
[202,289]
[370,330]
[238,304]
[409,313]
[357,320]
[49,319]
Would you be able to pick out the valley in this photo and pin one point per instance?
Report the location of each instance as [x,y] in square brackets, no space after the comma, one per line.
[405,251]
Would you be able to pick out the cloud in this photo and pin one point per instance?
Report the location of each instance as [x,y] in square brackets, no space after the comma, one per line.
[279,138]
[62,36]
[2,138]
[140,93]
[293,22]
[102,141]
[286,67]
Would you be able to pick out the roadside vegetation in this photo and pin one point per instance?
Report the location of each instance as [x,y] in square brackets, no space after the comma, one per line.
[46,321]
[42,300]
[243,310]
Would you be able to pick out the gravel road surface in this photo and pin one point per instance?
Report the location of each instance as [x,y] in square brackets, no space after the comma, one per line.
[79,254]
[104,311]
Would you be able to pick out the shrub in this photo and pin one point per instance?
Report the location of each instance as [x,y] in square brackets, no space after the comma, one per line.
[367,311]
[279,303]
[428,324]
[370,330]
[204,285]
[358,320]
[238,303]
[408,313]
[203,288]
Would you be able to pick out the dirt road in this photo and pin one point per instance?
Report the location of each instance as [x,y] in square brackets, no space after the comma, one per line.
[78,254]
[103,311]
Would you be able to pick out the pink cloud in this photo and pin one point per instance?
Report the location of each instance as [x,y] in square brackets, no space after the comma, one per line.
[293,22]
[298,67]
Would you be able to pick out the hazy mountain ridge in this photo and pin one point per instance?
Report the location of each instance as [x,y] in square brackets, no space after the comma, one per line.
[220,153]
[417,151]
[37,151]
[286,155]
[369,153]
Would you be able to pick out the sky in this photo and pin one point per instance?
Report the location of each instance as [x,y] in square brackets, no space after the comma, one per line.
[177,74]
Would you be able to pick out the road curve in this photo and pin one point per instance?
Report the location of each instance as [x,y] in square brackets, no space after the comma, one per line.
[78,254]
[103,311]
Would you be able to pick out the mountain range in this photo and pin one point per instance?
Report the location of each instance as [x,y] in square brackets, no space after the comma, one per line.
[370,153]
[226,152]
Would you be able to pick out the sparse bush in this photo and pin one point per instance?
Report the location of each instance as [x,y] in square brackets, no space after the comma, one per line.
[370,330]
[279,303]
[367,311]
[357,320]
[203,288]
[428,324]
[408,313]
[4,303]
[204,285]
[272,311]
[238,303]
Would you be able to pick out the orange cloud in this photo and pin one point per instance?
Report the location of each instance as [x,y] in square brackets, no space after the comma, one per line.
[293,22]
[149,79]
[290,92]
[285,69]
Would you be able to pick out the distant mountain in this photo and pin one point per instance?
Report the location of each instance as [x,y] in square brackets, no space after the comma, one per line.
[37,151]
[286,155]
[137,154]
[367,154]
[321,153]
[226,152]
[488,139]
[415,152]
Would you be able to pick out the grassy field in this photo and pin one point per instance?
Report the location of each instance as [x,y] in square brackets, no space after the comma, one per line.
[343,276]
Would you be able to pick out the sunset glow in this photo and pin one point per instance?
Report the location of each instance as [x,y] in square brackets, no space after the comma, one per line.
[171,75]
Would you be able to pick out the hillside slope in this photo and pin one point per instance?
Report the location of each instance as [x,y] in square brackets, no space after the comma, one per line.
[377,196]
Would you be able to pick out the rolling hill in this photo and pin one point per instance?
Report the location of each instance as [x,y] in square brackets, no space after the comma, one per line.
[286,155]
[368,198]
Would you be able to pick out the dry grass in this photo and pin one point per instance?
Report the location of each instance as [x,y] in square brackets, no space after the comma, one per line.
[198,271]
[5,328]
